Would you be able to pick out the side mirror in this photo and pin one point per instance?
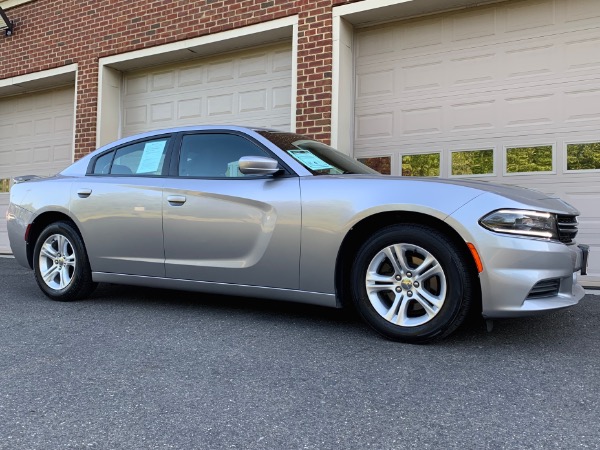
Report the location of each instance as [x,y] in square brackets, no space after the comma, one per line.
[258,165]
[23,178]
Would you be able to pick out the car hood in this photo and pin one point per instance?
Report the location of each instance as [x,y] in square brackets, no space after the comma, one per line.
[529,198]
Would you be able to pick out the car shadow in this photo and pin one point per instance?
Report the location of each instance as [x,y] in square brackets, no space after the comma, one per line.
[549,329]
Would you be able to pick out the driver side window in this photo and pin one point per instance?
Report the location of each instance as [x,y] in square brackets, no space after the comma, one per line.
[209,155]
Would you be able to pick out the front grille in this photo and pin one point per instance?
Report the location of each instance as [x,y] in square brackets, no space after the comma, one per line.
[567,228]
[545,288]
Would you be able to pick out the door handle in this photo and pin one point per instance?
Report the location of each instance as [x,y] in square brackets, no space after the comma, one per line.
[176,200]
[84,193]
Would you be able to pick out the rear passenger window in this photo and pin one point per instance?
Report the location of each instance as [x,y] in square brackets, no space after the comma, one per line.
[140,159]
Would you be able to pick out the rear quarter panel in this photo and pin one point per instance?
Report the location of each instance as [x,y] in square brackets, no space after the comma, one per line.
[28,201]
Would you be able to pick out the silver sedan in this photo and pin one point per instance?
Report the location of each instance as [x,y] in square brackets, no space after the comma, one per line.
[263,213]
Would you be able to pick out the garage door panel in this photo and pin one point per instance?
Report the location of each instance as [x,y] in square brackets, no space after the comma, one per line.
[247,88]
[428,33]
[251,66]
[582,10]
[582,105]
[259,106]
[529,63]
[282,61]
[494,114]
[471,69]
[462,75]
[538,109]
[581,54]
[536,59]
[43,100]
[164,80]
[221,71]
[522,16]
[476,115]
[179,90]
[375,83]
[471,25]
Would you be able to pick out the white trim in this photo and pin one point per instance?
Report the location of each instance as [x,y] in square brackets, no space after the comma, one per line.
[342,87]
[22,81]
[272,25]
[74,116]
[109,91]
[363,13]
[7,4]
[294,90]
[353,8]
[236,39]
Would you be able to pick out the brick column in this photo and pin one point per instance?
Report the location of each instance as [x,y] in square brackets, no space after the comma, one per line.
[313,104]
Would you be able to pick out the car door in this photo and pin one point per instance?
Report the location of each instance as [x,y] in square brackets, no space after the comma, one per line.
[223,226]
[119,208]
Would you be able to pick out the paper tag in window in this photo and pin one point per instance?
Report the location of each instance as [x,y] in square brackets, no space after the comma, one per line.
[153,152]
[309,160]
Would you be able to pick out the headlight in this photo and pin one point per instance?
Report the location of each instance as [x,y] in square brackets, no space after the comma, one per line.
[521,222]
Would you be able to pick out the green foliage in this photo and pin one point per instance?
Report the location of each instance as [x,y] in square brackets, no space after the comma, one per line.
[583,156]
[529,159]
[474,162]
[4,184]
[382,164]
[427,165]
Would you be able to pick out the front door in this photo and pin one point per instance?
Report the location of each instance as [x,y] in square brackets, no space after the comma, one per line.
[222,226]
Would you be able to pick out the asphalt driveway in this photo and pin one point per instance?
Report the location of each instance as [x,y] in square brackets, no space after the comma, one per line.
[151,369]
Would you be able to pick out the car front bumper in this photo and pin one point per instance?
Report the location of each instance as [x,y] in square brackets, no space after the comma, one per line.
[525,276]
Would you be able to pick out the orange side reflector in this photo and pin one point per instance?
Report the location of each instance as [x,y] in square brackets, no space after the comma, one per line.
[475,257]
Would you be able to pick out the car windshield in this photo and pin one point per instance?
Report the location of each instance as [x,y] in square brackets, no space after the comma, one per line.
[316,157]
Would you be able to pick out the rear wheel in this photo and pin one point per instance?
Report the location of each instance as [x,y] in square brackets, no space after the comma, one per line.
[60,263]
[411,283]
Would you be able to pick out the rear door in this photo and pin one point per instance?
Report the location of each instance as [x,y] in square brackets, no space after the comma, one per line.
[119,208]
[222,226]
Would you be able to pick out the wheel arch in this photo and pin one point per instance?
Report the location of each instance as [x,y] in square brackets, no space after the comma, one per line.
[40,223]
[368,225]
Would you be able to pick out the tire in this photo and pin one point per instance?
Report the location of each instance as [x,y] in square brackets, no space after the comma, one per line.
[60,262]
[425,295]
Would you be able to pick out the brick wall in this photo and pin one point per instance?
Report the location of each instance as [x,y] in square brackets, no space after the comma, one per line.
[54,33]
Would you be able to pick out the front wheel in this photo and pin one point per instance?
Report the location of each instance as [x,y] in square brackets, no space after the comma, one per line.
[412,283]
[60,263]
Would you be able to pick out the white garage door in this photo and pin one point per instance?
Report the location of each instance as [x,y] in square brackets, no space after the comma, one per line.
[252,87]
[36,137]
[507,93]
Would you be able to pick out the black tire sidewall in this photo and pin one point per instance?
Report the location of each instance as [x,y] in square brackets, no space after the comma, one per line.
[81,282]
[452,263]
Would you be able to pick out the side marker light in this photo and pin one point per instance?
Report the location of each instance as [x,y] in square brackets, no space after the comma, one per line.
[476,257]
